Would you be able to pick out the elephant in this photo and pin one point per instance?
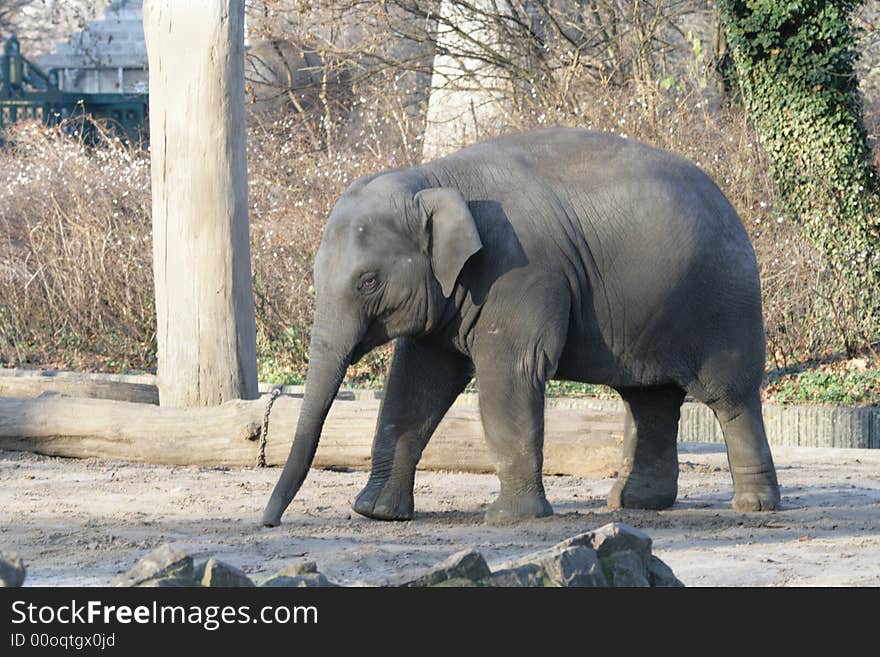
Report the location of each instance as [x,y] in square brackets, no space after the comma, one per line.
[556,253]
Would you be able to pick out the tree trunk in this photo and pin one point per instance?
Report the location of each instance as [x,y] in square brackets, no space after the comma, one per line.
[467,92]
[206,330]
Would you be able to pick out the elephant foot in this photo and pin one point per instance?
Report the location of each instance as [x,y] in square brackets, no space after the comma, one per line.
[634,492]
[385,500]
[764,498]
[755,489]
[514,508]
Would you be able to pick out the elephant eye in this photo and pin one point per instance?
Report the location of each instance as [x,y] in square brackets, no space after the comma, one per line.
[368,283]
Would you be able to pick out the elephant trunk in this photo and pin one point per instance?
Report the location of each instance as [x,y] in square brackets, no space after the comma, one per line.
[329,357]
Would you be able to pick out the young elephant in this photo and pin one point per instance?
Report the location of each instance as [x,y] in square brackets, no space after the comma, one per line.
[557,253]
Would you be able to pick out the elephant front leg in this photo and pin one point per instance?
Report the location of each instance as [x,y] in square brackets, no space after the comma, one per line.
[512,410]
[423,382]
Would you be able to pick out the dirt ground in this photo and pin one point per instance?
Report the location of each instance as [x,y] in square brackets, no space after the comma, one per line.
[79,522]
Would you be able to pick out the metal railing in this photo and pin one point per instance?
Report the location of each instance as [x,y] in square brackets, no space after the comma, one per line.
[28,92]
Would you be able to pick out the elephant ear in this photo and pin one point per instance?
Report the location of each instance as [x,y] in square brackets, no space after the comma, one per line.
[453,233]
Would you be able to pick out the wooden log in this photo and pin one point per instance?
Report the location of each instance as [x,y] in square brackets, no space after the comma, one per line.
[576,442]
[140,389]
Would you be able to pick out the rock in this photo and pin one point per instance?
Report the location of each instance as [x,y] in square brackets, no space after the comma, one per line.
[661,575]
[572,562]
[12,571]
[605,540]
[527,575]
[309,580]
[221,575]
[467,564]
[455,583]
[613,555]
[531,559]
[585,540]
[625,568]
[576,566]
[298,575]
[298,568]
[166,582]
[618,537]
[164,562]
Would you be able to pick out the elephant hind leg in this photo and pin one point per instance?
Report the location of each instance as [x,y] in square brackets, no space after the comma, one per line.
[649,472]
[751,465]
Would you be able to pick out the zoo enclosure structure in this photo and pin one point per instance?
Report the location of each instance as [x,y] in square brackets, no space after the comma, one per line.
[27,92]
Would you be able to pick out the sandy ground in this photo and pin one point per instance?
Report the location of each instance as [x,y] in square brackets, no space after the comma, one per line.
[79,522]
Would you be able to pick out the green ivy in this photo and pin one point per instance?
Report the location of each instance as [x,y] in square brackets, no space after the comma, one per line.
[827,387]
[794,64]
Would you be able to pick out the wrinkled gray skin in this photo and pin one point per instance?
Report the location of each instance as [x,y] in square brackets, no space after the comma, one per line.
[554,254]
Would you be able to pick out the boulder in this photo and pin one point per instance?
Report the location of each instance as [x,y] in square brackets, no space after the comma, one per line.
[12,571]
[298,568]
[625,568]
[309,580]
[660,575]
[164,562]
[467,564]
[576,566]
[455,583]
[565,564]
[613,555]
[167,582]
[526,575]
[618,537]
[218,574]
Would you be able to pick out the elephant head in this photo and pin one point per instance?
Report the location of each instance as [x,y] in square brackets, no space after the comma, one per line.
[387,264]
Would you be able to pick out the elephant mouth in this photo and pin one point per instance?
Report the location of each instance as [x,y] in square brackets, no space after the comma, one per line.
[375,336]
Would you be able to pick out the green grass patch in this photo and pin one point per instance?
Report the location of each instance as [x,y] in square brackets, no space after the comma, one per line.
[858,387]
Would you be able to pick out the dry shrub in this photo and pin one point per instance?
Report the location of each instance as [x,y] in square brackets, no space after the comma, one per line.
[292,189]
[75,278]
[76,282]
[76,286]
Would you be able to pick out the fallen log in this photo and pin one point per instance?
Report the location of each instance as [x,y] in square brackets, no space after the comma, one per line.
[118,387]
[577,442]
[139,388]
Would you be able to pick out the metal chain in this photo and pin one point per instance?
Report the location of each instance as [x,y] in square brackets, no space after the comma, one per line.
[264,432]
